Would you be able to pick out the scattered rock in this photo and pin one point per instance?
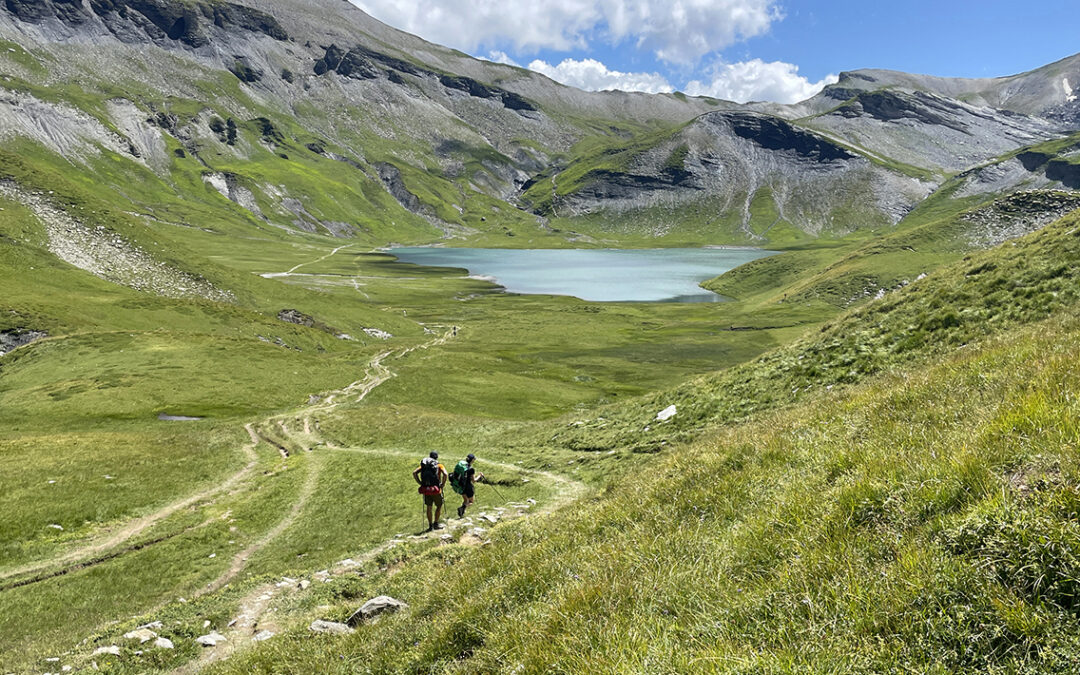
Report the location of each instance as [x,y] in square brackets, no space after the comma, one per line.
[56,527]
[489,518]
[332,627]
[140,634]
[211,639]
[531,501]
[304,584]
[667,413]
[153,625]
[374,607]
[379,334]
[163,643]
[111,649]
[262,635]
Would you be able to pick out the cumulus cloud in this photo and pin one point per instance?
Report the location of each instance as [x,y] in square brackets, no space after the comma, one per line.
[592,75]
[497,56]
[676,31]
[757,80]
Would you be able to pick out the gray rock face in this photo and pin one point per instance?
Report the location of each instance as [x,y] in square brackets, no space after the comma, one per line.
[372,608]
[156,20]
[12,339]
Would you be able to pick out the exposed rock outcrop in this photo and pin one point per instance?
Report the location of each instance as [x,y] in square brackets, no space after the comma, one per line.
[17,337]
[376,606]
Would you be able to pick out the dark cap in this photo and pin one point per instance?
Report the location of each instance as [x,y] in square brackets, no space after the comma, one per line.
[470,457]
[433,455]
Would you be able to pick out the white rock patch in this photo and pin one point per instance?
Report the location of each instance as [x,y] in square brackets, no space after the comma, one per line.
[107,255]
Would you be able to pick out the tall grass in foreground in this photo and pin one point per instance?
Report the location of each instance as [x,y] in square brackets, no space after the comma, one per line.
[925,522]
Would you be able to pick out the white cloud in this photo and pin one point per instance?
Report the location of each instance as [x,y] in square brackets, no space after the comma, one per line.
[757,80]
[591,75]
[676,31]
[497,56]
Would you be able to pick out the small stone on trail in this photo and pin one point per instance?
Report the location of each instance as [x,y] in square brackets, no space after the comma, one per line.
[348,563]
[262,635]
[375,607]
[667,413]
[304,584]
[531,500]
[163,643]
[111,649]
[57,527]
[206,624]
[231,623]
[332,627]
[153,625]
[140,634]
[211,639]
[490,518]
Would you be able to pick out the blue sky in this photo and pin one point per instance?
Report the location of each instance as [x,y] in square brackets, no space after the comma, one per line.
[743,49]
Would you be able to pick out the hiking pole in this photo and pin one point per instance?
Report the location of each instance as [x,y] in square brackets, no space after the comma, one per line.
[497,493]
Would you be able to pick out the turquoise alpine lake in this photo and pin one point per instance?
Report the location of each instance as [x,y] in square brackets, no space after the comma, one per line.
[596,275]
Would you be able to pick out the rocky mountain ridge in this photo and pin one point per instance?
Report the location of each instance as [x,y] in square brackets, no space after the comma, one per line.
[455,143]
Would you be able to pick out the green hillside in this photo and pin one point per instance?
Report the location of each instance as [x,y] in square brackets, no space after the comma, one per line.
[920,519]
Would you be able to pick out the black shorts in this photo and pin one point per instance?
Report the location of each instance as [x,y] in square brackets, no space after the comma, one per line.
[468,491]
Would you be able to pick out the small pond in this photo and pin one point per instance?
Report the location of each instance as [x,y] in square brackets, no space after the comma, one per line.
[596,275]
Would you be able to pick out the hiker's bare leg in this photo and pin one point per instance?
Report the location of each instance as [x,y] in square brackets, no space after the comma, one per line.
[438,513]
[429,515]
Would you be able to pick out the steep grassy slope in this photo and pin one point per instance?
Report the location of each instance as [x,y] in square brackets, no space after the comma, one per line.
[919,521]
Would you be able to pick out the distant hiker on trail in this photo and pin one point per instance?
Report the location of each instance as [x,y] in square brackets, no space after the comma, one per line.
[431,476]
[463,480]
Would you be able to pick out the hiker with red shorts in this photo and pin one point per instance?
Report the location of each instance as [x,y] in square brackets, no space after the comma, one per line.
[431,476]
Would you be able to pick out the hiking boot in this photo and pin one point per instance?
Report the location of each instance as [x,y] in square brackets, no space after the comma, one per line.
[437,526]
[461,511]
[431,527]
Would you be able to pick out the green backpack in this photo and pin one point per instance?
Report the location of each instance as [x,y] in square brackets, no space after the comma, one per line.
[457,479]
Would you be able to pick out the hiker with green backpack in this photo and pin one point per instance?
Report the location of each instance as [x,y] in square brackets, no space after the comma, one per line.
[463,480]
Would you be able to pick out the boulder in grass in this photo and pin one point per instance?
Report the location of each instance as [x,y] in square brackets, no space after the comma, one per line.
[667,413]
[163,643]
[140,634]
[211,639]
[111,649]
[374,607]
[332,627]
